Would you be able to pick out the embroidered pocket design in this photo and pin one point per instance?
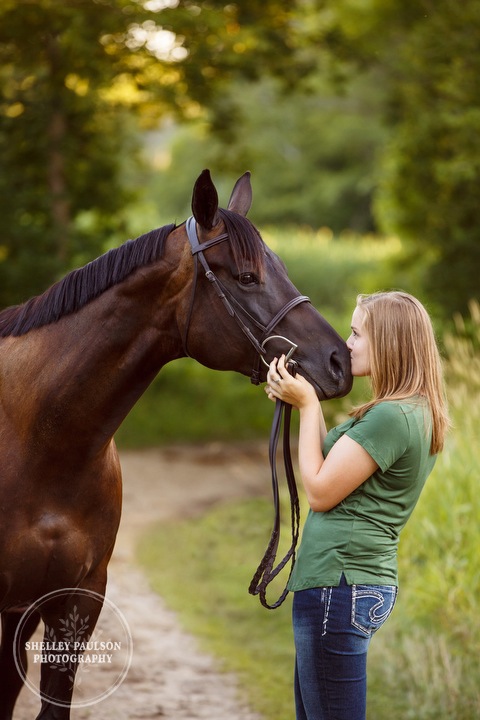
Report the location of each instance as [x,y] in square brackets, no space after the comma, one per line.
[371,606]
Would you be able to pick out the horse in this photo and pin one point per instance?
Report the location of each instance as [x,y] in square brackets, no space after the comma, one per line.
[73,362]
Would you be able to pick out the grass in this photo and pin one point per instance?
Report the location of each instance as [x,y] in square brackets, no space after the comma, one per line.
[425,664]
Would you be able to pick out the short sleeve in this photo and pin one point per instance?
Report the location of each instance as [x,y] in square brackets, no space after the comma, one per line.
[383,432]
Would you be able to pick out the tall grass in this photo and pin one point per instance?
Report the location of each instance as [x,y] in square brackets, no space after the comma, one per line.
[425,663]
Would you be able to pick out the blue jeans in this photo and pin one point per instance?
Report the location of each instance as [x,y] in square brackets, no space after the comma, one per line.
[332,628]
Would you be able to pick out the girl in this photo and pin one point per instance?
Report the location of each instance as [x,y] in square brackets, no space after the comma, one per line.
[362,481]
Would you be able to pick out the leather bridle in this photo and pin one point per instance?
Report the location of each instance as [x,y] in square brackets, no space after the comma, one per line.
[266,571]
[233,307]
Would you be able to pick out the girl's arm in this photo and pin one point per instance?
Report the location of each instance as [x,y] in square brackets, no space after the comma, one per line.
[326,481]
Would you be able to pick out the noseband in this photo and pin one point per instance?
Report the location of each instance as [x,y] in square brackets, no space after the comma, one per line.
[233,307]
[266,570]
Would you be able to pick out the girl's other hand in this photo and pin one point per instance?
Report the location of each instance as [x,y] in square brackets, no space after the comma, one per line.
[282,385]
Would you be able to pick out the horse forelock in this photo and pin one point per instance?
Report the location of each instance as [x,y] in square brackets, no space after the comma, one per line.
[246,242]
[85,284]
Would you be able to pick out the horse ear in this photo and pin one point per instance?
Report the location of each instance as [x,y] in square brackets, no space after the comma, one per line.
[205,201]
[241,197]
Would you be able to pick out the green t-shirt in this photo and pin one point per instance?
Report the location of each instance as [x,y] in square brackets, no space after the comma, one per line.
[359,537]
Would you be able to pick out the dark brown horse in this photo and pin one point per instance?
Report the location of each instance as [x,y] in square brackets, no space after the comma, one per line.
[74,361]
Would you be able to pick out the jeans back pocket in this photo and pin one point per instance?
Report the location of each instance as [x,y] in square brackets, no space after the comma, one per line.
[371,606]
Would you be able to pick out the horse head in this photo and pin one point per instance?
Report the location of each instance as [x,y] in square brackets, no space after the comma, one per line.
[242,310]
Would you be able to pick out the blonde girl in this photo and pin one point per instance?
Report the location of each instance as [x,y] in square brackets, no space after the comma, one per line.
[362,480]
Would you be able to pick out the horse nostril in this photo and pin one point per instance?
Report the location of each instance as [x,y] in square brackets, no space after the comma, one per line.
[337,368]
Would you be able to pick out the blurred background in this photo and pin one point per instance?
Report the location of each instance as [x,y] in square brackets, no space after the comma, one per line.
[360,123]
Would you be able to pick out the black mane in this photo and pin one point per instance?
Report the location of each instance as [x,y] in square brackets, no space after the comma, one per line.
[81,286]
[245,240]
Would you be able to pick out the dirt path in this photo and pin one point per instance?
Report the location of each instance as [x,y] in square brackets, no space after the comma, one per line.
[169,677]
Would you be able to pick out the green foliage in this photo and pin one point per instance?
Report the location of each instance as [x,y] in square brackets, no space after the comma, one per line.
[62,136]
[183,151]
[426,59]
[308,95]
[432,168]
[188,402]
[230,41]
[424,664]
[386,105]
[312,155]
[332,270]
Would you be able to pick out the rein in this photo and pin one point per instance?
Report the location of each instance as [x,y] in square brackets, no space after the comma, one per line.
[266,572]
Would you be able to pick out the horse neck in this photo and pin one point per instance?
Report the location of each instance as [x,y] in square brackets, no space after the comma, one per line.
[85,372]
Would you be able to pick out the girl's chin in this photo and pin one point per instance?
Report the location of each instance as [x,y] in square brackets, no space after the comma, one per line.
[358,372]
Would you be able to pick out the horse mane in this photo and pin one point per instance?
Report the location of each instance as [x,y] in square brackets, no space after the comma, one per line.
[81,286]
[245,240]
[84,284]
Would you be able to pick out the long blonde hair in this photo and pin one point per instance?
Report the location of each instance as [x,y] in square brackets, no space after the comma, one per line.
[404,357]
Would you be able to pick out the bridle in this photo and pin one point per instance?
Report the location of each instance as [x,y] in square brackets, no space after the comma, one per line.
[233,307]
[266,571]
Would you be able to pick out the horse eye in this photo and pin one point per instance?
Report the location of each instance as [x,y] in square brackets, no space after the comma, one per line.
[248,278]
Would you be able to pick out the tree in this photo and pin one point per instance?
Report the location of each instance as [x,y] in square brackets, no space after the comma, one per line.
[272,103]
[61,136]
[76,77]
[72,100]
[426,55]
[312,155]
[431,171]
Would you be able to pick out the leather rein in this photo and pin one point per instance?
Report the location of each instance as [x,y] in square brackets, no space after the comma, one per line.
[266,570]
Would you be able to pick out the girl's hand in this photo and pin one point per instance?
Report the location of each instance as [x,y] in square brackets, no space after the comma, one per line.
[281,385]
